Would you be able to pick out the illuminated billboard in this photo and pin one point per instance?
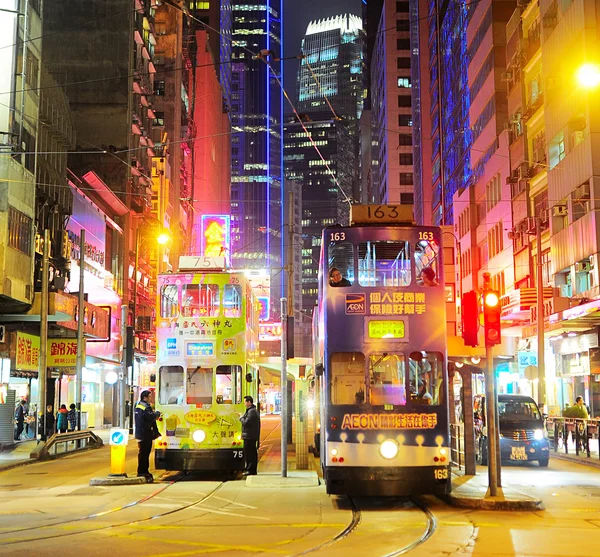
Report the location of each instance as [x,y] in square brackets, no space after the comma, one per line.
[216,240]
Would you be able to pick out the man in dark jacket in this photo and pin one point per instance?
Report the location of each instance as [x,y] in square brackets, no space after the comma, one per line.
[145,432]
[20,418]
[250,434]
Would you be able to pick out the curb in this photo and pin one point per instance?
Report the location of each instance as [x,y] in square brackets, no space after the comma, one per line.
[119,480]
[494,504]
[5,467]
[584,461]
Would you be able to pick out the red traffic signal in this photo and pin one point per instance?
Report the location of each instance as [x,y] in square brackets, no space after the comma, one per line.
[491,318]
[470,317]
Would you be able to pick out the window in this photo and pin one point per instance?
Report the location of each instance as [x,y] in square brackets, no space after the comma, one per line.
[199,385]
[405,158]
[404,139]
[159,88]
[403,44]
[341,257]
[19,231]
[228,385]
[406,178]
[427,254]
[170,385]
[407,198]
[232,300]
[426,378]
[402,25]
[159,120]
[402,7]
[384,263]
[200,300]
[404,101]
[518,410]
[194,5]
[169,303]
[405,120]
[403,63]
[386,384]
[404,82]
[347,378]
[32,70]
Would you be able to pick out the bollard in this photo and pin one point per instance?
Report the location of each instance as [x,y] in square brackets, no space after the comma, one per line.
[118,451]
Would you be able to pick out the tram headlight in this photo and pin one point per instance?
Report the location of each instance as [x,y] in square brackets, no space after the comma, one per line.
[388,449]
[199,436]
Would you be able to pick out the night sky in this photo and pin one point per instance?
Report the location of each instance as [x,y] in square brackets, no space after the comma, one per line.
[296,16]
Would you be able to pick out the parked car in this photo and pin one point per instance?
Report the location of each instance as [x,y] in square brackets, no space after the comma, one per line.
[523,437]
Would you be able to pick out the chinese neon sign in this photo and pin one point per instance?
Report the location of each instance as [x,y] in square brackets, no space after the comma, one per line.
[216,240]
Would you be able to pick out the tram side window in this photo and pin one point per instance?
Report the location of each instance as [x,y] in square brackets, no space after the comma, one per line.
[347,378]
[228,388]
[200,300]
[387,373]
[341,263]
[426,376]
[199,385]
[170,385]
[427,258]
[169,302]
[384,263]
[232,300]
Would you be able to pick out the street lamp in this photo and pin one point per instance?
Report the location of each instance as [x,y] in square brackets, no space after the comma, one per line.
[588,75]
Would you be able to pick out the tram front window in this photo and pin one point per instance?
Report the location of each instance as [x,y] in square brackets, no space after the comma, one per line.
[386,385]
[383,263]
[426,378]
[170,384]
[348,378]
[199,385]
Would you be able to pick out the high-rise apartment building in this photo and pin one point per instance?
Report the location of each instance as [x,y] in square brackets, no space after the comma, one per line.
[257,196]
[391,107]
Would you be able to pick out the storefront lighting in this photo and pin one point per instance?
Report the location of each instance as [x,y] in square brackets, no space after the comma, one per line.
[459,364]
[475,359]
[572,335]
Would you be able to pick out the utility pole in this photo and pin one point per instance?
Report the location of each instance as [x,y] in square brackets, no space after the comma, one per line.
[284,408]
[540,316]
[123,378]
[290,265]
[80,316]
[44,333]
[131,348]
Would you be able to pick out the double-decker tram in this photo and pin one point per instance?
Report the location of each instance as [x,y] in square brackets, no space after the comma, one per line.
[381,356]
[207,345]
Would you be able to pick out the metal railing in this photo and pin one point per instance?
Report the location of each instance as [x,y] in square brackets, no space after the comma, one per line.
[574,434]
[70,442]
[457,446]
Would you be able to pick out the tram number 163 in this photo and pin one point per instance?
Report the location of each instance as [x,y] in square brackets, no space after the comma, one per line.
[440,473]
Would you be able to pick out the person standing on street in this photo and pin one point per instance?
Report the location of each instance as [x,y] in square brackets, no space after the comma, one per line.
[20,418]
[61,419]
[72,417]
[50,421]
[146,432]
[250,434]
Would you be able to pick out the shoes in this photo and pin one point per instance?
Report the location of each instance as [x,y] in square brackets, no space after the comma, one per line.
[149,477]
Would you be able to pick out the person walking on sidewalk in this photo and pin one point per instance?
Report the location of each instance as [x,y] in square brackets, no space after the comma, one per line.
[61,419]
[20,419]
[72,417]
[250,434]
[146,432]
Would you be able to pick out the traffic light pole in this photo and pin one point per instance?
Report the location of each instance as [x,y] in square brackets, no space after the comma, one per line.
[492,425]
[540,317]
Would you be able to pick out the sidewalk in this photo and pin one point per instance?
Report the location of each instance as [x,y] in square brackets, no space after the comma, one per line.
[470,492]
[18,455]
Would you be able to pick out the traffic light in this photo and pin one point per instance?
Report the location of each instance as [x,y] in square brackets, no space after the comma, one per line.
[491,318]
[470,317]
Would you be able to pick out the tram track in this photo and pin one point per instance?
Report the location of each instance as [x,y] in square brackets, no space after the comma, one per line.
[65,523]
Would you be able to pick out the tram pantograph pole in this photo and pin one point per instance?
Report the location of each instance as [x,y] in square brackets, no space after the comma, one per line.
[283,390]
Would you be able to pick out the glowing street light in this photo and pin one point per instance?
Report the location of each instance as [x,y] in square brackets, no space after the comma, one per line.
[163,238]
[588,75]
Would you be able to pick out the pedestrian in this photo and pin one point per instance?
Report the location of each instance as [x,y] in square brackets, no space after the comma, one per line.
[251,435]
[49,422]
[336,278]
[72,417]
[20,418]
[61,419]
[146,431]
[583,409]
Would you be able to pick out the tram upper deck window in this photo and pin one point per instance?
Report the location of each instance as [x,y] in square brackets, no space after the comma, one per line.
[169,301]
[170,385]
[341,263]
[200,300]
[426,378]
[427,258]
[347,378]
[199,385]
[232,300]
[384,263]
[228,384]
[386,385]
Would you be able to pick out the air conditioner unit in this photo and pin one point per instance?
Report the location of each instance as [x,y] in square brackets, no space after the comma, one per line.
[513,234]
[513,178]
[530,227]
[560,211]
[583,191]
[523,171]
[583,267]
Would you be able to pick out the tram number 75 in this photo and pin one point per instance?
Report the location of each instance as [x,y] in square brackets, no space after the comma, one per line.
[238,454]
[440,473]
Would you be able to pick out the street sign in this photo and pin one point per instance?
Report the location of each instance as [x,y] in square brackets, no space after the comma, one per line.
[119,437]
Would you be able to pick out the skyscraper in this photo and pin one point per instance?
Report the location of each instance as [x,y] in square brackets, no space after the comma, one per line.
[256,142]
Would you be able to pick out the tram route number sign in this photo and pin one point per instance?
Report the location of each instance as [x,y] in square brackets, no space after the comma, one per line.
[381,214]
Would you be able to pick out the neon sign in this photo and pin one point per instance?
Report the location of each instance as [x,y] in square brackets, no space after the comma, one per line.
[216,239]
